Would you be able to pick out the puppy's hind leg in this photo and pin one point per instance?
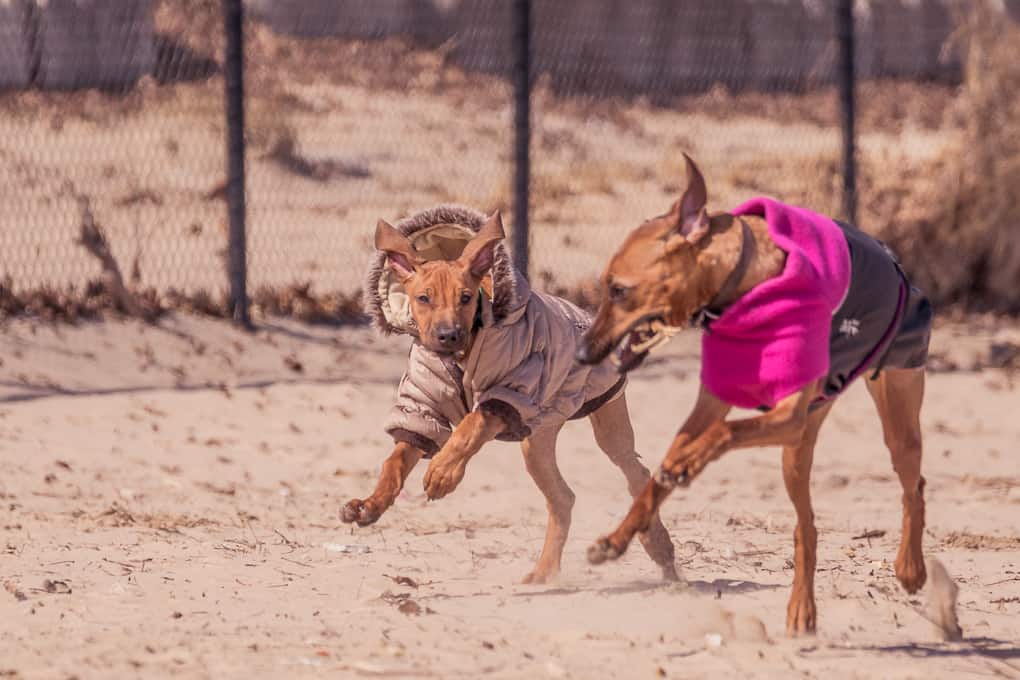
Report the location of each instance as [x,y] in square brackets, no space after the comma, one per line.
[540,459]
[898,394]
[615,436]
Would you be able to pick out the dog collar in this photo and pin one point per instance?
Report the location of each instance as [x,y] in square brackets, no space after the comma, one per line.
[704,316]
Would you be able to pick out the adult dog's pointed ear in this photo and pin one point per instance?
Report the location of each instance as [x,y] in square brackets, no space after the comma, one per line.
[400,254]
[480,252]
[689,215]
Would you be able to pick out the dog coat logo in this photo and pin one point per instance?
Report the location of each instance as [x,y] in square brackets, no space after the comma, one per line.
[850,327]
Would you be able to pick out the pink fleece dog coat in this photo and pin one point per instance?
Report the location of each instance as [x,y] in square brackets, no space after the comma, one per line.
[774,340]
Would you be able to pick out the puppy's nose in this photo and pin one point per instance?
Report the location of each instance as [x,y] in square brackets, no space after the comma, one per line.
[448,336]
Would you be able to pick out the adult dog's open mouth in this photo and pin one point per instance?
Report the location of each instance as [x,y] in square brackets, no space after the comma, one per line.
[636,343]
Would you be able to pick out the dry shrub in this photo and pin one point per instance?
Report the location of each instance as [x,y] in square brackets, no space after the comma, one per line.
[93,302]
[585,294]
[814,181]
[55,304]
[300,302]
[960,238]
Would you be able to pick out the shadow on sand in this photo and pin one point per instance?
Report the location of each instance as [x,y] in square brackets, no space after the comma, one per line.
[718,587]
[992,649]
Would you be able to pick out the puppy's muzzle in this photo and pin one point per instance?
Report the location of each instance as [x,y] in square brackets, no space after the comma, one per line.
[449,337]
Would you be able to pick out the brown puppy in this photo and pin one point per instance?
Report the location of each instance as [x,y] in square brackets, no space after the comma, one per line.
[447,314]
[666,273]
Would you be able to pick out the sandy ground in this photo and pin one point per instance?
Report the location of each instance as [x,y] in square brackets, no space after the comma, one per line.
[169,507]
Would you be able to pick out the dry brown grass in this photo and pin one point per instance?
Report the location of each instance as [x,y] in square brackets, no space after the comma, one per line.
[814,181]
[94,301]
[960,238]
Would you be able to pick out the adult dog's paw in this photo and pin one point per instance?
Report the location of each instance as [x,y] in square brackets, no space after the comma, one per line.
[602,550]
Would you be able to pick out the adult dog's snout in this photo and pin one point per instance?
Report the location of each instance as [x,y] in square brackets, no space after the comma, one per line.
[589,351]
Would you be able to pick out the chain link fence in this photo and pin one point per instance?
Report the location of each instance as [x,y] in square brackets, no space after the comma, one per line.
[119,105]
[363,110]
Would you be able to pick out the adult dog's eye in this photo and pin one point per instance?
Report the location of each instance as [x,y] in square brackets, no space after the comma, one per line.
[424,299]
[465,298]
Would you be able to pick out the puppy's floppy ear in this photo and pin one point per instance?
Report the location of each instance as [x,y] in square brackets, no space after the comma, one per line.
[480,252]
[688,215]
[400,254]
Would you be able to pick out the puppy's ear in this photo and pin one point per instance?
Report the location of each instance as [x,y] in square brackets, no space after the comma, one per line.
[400,254]
[688,215]
[480,252]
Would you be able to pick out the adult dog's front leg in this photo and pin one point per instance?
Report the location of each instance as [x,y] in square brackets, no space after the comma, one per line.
[707,410]
[447,468]
[391,480]
[782,426]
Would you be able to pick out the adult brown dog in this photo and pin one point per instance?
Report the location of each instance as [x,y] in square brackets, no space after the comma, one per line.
[484,361]
[686,265]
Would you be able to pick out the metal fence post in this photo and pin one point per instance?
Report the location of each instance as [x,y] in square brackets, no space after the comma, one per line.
[233,22]
[847,81]
[522,130]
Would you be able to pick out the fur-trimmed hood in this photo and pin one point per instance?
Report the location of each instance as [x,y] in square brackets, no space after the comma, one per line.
[439,233]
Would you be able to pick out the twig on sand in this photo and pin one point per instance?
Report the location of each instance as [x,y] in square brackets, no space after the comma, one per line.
[286,541]
[303,564]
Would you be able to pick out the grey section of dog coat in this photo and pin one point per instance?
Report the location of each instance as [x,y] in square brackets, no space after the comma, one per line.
[884,322]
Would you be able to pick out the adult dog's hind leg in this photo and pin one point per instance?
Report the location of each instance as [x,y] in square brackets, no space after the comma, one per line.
[898,394]
[615,436]
[540,459]
[797,458]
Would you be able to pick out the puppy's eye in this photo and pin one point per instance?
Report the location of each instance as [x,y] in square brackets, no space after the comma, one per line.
[465,298]
[424,299]
[617,292]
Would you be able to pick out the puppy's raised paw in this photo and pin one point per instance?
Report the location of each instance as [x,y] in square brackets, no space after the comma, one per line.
[358,511]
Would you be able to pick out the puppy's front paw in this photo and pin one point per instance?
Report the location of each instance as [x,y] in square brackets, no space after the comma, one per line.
[362,512]
[443,476]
